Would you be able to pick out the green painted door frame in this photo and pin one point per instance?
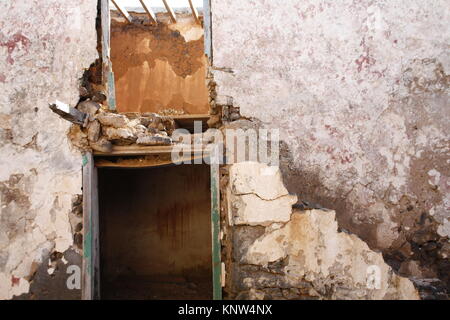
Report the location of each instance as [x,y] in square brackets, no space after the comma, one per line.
[90,284]
[91,243]
[215,232]
[215,177]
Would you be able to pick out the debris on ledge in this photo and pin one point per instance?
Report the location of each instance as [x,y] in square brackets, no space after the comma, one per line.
[99,130]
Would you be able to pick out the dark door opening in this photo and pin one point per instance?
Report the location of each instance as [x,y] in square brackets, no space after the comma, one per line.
[155,233]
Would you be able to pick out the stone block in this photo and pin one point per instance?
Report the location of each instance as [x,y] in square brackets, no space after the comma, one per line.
[112,120]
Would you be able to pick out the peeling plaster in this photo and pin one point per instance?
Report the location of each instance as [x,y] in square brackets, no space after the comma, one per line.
[360,94]
[38,66]
[306,251]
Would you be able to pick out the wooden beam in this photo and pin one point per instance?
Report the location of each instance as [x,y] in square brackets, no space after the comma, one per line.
[194,11]
[207,28]
[107,73]
[137,150]
[122,10]
[91,258]
[148,9]
[68,113]
[106,27]
[169,9]
[145,161]
[215,232]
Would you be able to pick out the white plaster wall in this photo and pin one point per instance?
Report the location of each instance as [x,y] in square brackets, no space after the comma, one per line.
[312,257]
[359,90]
[44,48]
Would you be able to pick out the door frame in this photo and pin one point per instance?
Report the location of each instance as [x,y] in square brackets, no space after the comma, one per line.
[90,283]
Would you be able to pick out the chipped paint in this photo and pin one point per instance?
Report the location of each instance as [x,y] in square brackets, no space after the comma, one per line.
[40,171]
[305,255]
[359,91]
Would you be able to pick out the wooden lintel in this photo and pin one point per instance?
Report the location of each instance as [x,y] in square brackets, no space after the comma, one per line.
[194,11]
[139,161]
[148,9]
[122,10]
[137,150]
[170,11]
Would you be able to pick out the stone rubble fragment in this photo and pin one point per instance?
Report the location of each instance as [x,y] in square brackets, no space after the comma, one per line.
[215,120]
[93,131]
[338,265]
[78,138]
[99,97]
[100,130]
[102,145]
[249,209]
[89,107]
[124,135]
[250,197]
[112,120]
[254,177]
[156,140]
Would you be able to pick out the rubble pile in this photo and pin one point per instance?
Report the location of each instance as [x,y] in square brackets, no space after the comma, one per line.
[101,129]
[215,120]
[280,252]
[222,109]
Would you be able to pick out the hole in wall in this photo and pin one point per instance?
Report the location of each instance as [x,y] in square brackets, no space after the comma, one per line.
[159,67]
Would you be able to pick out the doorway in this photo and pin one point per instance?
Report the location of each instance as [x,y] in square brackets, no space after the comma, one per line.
[155,233]
[116,220]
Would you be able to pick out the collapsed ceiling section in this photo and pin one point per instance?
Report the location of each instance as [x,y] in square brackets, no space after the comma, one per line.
[150,8]
[159,82]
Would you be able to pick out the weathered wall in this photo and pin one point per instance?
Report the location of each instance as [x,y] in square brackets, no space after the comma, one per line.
[359,90]
[159,68]
[44,48]
[281,253]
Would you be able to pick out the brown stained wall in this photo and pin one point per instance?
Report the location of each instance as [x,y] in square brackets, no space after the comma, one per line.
[159,67]
[155,222]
